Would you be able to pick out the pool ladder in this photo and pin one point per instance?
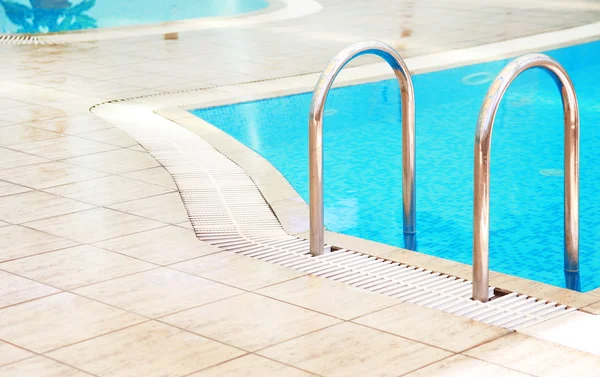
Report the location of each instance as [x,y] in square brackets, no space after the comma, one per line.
[315,131]
[483,141]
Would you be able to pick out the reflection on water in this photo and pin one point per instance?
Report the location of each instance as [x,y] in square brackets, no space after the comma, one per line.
[47,16]
[51,16]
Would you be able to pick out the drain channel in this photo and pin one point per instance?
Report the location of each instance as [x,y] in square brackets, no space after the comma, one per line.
[227,210]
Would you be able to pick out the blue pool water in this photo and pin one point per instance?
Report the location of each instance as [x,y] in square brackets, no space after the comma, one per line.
[363,162]
[44,16]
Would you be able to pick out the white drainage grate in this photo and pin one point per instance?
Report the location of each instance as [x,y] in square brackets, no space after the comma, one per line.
[227,210]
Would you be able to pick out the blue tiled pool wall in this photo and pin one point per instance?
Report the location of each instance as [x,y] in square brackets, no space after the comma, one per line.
[363,163]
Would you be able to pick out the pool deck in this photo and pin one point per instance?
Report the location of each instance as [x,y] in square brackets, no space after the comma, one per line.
[102,275]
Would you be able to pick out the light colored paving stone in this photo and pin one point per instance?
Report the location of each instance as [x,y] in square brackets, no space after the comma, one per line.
[237,270]
[329,297]
[115,162]
[138,148]
[10,354]
[94,225]
[64,147]
[261,323]
[293,214]
[162,246]
[16,289]
[35,205]
[186,224]
[158,292]
[252,366]
[12,159]
[49,174]
[73,267]
[433,327]
[576,329]
[17,242]
[110,190]
[56,321]
[461,366]
[352,350]
[11,189]
[112,136]
[167,208]
[537,357]
[157,176]
[15,134]
[40,367]
[160,351]
[592,309]
[23,113]
[71,125]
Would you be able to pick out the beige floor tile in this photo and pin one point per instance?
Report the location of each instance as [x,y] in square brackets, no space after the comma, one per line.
[150,350]
[157,176]
[115,162]
[237,270]
[262,322]
[433,327]
[73,267]
[537,357]
[40,367]
[186,224]
[58,320]
[163,246]
[10,354]
[112,136]
[35,205]
[352,350]
[2,223]
[73,125]
[17,134]
[64,147]
[167,208]
[158,292]
[16,289]
[109,190]
[11,189]
[17,242]
[48,174]
[94,225]
[252,366]
[12,159]
[461,366]
[28,112]
[138,148]
[575,329]
[329,297]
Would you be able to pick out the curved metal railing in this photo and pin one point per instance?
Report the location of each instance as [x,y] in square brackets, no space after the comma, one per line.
[315,129]
[483,140]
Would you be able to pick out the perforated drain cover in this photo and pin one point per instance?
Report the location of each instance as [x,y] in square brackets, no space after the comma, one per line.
[227,210]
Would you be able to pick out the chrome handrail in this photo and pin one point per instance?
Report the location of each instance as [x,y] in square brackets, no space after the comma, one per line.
[483,140]
[315,130]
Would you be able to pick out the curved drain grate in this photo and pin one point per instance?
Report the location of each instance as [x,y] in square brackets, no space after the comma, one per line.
[227,210]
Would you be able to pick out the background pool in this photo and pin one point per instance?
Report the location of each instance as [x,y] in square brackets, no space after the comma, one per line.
[42,16]
[363,162]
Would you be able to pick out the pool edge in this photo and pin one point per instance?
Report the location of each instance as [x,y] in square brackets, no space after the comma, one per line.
[277,10]
[292,212]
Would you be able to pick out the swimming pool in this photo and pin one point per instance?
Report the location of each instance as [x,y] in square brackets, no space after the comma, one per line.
[363,162]
[44,16]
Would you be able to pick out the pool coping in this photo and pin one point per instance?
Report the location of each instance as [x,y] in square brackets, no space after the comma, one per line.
[292,210]
[277,10]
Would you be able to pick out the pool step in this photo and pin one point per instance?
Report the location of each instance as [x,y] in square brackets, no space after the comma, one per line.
[227,210]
